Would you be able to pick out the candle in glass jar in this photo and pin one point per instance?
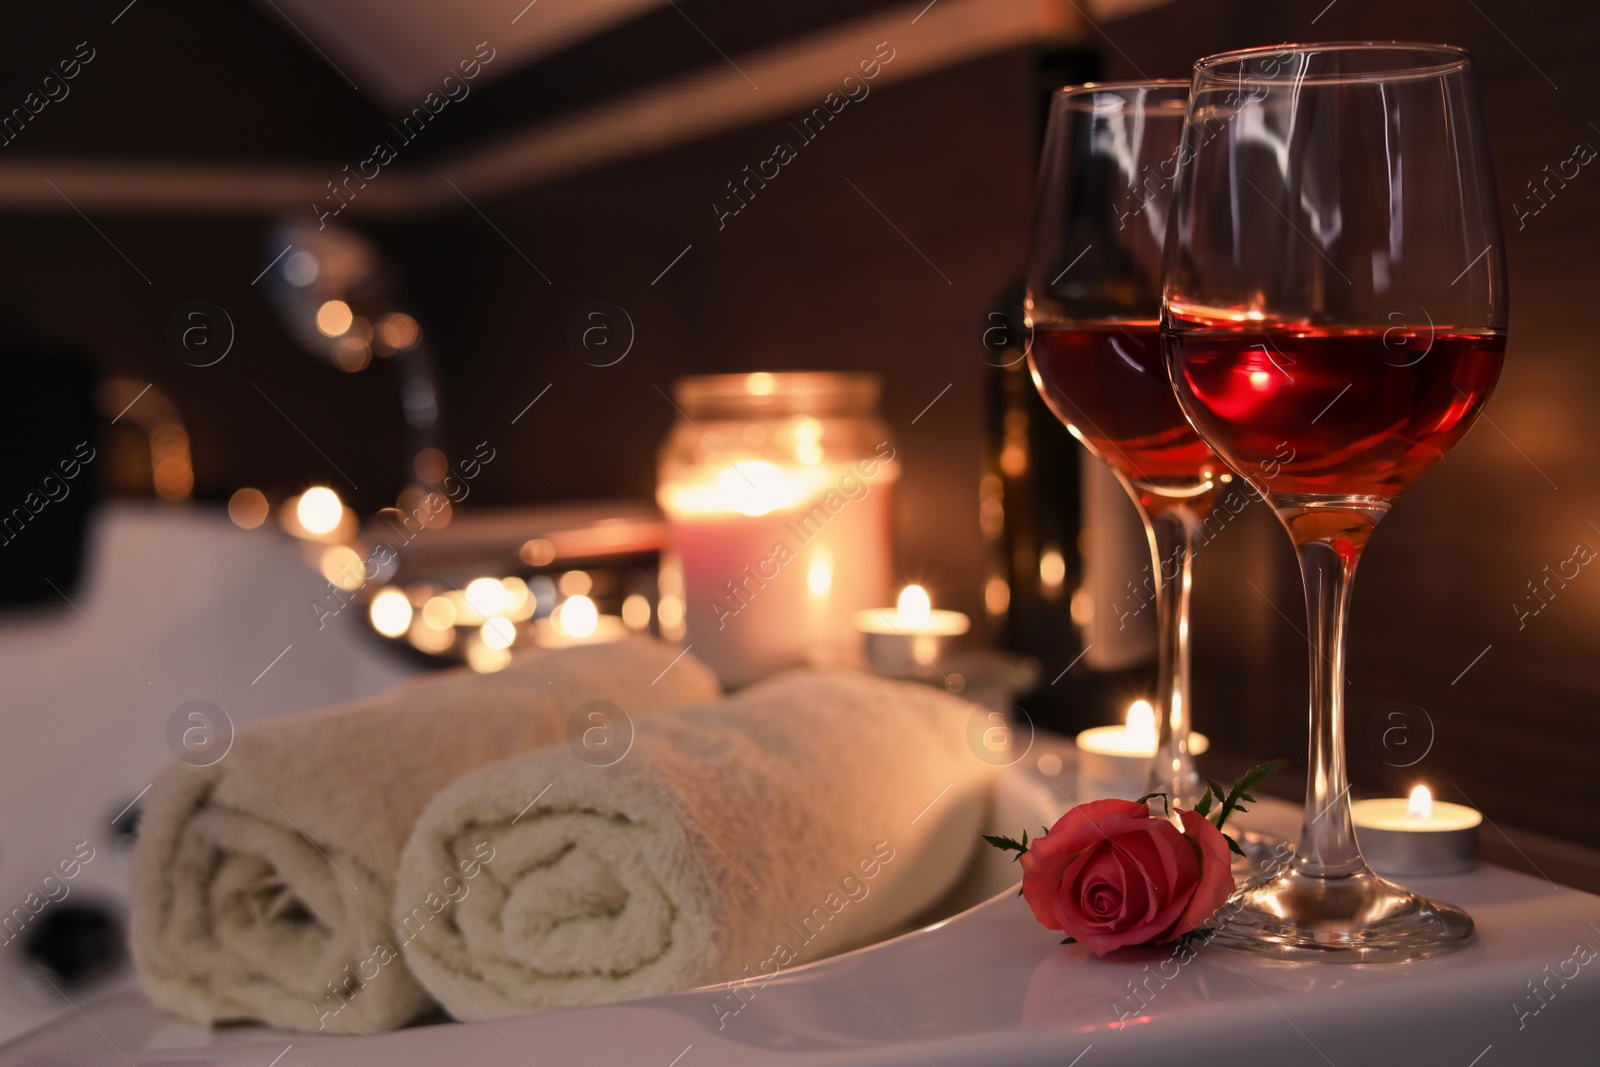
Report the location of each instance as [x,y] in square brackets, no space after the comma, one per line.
[776,492]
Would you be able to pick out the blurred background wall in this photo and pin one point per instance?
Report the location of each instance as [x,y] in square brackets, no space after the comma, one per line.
[194,127]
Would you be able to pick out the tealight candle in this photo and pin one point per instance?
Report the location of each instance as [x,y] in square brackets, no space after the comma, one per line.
[910,639]
[1114,761]
[1417,835]
[578,622]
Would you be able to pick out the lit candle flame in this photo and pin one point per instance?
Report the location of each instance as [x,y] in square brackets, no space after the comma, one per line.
[819,578]
[753,488]
[1420,806]
[1142,723]
[914,606]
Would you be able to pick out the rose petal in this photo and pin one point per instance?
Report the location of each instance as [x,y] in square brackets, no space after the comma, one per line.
[1085,825]
[1215,883]
[1099,865]
[1185,875]
[1048,856]
[1102,887]
[1160,865]
[1153,864]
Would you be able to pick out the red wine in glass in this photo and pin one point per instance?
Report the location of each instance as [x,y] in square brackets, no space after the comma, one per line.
[1108,382]
[1328,410]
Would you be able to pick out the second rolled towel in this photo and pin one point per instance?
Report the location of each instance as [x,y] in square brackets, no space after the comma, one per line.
[803,816]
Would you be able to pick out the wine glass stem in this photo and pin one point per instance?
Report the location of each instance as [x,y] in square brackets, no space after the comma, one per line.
[1328,846]
[1173,533]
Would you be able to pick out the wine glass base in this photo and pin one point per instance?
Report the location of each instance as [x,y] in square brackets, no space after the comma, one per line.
[1356,918]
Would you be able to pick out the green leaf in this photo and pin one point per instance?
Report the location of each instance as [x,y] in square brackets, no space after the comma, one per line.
[1147,796]
[1203,808]
[1233,846]
[1242,787]
[1069,941]
[1007,844]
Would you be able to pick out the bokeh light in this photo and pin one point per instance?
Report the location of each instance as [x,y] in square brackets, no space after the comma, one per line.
[498,633]
[334,318]
[439,613]
[636,611]
[247,508]
[319,510]
[575,583]
[577,617]
[486,596]
[390,612]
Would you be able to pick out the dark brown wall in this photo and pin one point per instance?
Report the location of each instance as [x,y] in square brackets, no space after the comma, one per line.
[192,81]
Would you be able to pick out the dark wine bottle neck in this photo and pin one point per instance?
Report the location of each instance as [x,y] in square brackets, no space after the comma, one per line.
[1058,64]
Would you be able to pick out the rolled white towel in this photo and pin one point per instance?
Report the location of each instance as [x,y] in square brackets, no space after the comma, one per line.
[263,885]
[808,814]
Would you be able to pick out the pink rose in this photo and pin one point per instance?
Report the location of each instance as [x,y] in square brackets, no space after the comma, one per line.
[1109,874]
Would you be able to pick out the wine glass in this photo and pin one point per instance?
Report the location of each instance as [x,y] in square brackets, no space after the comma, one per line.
[1093,309]
[1334,318]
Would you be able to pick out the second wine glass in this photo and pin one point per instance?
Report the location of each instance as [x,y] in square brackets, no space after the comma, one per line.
[1093,310]
[1334,319]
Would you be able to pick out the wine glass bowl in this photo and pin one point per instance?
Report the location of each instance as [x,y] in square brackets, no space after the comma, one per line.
[1333,320]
